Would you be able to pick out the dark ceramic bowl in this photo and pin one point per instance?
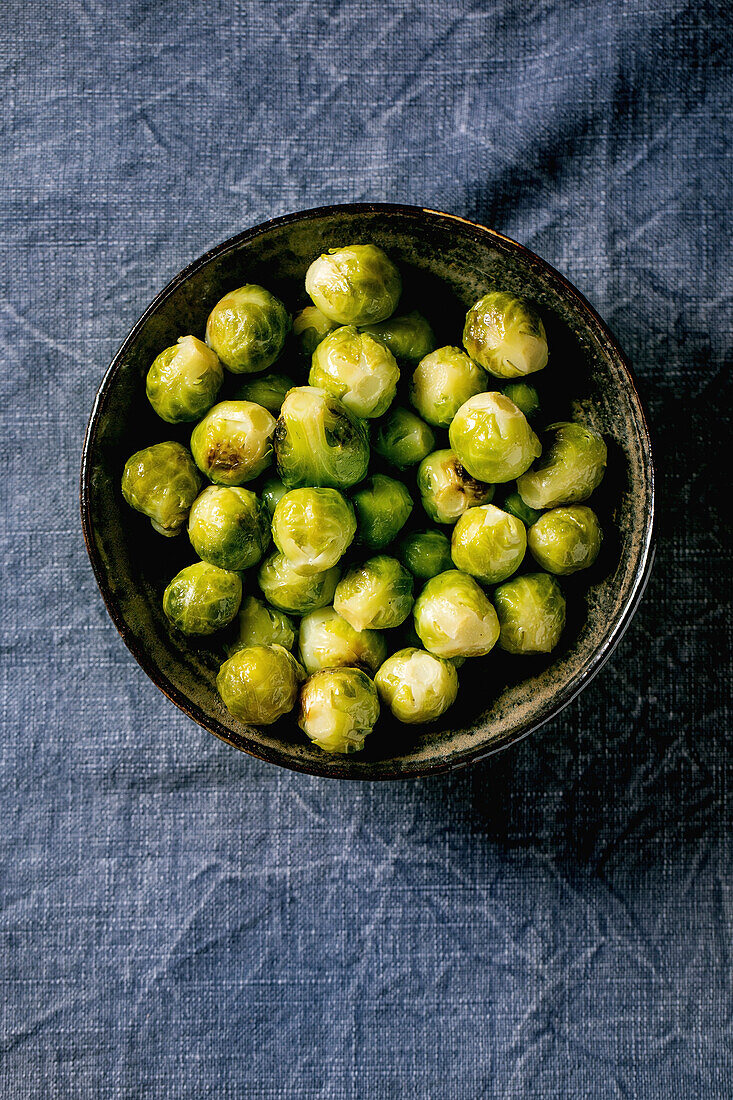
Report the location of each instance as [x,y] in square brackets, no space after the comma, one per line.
[447,263]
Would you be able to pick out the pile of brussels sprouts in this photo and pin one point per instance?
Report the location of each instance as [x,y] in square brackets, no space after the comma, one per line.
[382,582]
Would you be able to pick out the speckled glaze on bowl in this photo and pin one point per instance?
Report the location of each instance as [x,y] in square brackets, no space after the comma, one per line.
[447,263]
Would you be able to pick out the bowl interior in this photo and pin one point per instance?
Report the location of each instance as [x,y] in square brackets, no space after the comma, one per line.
[446,264]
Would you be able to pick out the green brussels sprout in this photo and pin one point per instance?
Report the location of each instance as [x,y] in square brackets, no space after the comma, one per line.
[417,686]
[531,612]
[233,442]
[505,335]
[267,390]
[492,438]
[355,285]
[442,382]
[357,369]
[310,326]
[403,439]
[515,506]
[259,684]
[319,442]
[376,595]
[409,337]
[525,397]
[425,553]
[184,380]
[565,540]
[202,598]
[162,482]
[488,543]
[454,618]
[247,329]
[273,490]
[572,466]
[447,489]
[258,624]
[228,527]
[328,641]
[339,708]
[313,528]
[383,507]
[290,591]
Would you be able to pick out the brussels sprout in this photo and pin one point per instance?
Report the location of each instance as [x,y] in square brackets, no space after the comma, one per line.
[328,641]
[357,369]
[259,684]
[492,438]
[228,527]
[531,612]
[247,329]
[425,553]
[488,543]
[376,595]
[416,686]
[267,390]
[572,466]
[525,397]
[310,326]
[319,442]
[313,528]
[162,482]
[290,591]
[403,439]
[355,285]
[454,618]
[442,382]
[383,507]
[447,489]
[565,540]
[273,490]
[184,380]
[233,443]
[506,335]
[409,337]
[339,708]
[258,624]
[202,598]
[515,506]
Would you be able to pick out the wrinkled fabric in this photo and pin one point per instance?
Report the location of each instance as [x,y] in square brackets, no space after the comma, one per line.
[178,920]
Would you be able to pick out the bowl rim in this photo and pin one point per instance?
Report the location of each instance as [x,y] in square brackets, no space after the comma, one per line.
[384,770]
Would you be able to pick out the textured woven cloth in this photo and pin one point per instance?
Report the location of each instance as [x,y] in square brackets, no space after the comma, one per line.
[180,921]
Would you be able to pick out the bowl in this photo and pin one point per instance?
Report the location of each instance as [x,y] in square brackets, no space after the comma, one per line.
[447,263]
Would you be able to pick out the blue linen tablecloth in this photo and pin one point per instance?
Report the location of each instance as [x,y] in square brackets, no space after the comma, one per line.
[178,920]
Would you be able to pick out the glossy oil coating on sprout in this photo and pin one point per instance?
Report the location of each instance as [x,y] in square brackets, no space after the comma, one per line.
[442,382]
[233,442]
[202,598]
[328,641]
[408,337]
[417,686]
[247,329]
[425,553]
[376,595]
[383,507]
[162,482]
[259,684]
[454,617]
[310,326]
[572,466]
[566,540]
[339,708]
[492,438]
[531,612]
[267,390]
[319,442]
[258,624]
[184,380]
[313,528]
[525,397]
[403,439]
[287,589]
[272,491]
[505,335]
[228,527]
[488,543]
[354,285]
[357,369]
[447,489]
